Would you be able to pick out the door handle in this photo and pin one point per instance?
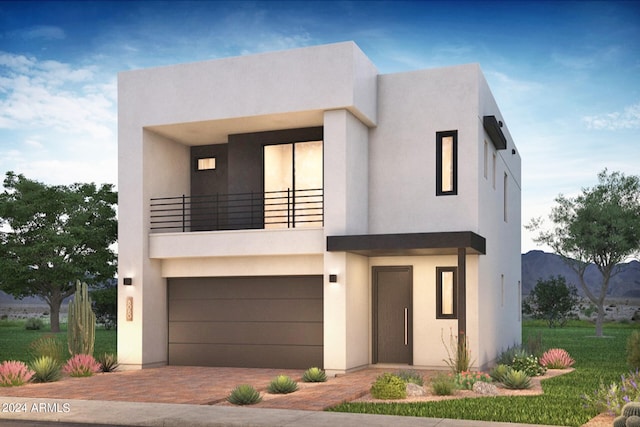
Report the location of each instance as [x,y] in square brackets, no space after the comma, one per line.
[406,326]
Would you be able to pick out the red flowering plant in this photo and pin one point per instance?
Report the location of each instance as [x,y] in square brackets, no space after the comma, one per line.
[465,380]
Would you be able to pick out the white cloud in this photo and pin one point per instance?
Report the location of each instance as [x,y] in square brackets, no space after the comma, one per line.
[50,94]
[46,32]
[628,118]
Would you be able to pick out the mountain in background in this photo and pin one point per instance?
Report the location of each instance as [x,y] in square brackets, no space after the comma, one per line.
[538,265]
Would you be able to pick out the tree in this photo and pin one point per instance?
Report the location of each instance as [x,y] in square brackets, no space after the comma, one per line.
[105,304]
[552,300]
[51,236]
[600,226]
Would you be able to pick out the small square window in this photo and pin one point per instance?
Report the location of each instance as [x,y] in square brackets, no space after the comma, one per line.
[206,163]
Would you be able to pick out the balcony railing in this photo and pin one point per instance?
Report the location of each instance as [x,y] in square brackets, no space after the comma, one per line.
[273,209]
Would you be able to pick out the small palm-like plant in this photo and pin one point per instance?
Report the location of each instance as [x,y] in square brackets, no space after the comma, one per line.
[516,380]
[244,394]
[108,362]
[46,369]
[556,358]
[314,375]
[282,384]
[14,373]
[81,365]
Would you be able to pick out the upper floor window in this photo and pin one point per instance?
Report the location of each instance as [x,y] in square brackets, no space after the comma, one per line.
[206,163]
[447,163]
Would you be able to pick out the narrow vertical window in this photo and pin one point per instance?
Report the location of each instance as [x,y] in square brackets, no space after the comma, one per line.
[446,163]
[446,295]
[504,197]
[486,160]
[493,165]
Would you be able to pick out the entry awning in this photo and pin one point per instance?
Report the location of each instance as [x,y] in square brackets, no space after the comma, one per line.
[441,243]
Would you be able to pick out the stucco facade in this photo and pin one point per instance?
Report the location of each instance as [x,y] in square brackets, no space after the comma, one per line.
[383,209]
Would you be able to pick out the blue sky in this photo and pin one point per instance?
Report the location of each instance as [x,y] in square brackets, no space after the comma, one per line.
[566,75]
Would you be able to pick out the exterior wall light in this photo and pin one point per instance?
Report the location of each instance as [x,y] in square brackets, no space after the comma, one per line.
[127,281]
[333,278]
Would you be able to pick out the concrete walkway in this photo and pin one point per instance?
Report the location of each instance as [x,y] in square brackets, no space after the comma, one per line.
[168,415]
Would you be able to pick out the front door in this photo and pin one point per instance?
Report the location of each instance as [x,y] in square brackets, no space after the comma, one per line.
[392,314]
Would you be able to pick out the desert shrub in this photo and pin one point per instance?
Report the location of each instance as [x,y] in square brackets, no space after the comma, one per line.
[516,380]
[499,372]
[556,358]
[282,384]
[529,365]
[314,375]
[443,384]
[458,353]
[633,349]
[244,394]
[534,345]
[389,386]
[14,373]
[81,365]
[466,380]
[507,356]
[552,300]
[46,369]
[108,362]
[47,345]
[410,376]
[33,324]
[613,397]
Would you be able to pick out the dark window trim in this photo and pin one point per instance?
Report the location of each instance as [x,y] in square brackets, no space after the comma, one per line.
[439,314]
[439,137]
[197,160]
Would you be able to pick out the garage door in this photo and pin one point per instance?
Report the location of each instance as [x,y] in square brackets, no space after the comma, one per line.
[257,322]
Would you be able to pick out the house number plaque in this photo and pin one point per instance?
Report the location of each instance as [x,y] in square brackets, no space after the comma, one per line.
[129,307]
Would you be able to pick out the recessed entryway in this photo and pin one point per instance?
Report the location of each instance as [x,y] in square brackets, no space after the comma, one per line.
[392,314]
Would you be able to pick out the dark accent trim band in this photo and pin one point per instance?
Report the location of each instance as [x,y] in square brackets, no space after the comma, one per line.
[493,128]
[441,243]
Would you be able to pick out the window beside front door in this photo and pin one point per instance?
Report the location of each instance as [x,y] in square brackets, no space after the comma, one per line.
[446,294]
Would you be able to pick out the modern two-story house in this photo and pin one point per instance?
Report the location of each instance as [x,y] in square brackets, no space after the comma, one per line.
[298,208]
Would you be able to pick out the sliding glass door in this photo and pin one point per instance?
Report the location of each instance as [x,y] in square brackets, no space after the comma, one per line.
[293,184]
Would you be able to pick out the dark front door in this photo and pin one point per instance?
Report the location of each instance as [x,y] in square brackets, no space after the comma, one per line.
[392,314]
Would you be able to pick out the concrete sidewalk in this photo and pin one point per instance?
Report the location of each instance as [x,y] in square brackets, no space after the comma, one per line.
[181,415]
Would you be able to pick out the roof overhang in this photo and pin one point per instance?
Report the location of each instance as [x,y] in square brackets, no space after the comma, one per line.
[493,128]
[441,243]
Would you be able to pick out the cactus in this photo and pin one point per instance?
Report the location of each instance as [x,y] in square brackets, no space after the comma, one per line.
[631,408]
[244,394]
[282,384]
[81,328]
[620,421]
[314,375]
[633,421]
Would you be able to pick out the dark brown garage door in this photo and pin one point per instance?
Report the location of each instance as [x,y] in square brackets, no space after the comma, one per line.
[257,322]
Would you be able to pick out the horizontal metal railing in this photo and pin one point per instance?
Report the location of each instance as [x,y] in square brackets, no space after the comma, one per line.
[272,209]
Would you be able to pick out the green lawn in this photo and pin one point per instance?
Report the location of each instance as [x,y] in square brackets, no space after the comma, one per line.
[597,360]
[15,340]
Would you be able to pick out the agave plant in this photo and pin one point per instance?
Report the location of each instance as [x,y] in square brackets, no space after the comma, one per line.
[282,384]
[108,362]
[314,375]
[46,369]
[516,380]
[244,394]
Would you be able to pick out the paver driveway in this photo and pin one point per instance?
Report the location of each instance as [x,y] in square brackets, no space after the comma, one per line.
[201,385]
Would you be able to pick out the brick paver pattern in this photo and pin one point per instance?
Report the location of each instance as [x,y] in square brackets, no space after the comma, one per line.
[203,386]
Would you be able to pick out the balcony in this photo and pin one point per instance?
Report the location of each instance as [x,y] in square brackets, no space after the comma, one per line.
[242,211]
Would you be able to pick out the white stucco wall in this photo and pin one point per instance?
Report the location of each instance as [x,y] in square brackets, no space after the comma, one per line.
[402,157]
